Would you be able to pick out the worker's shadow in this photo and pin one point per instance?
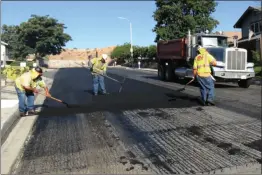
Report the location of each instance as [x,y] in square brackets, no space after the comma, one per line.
[173,97]
[90,91]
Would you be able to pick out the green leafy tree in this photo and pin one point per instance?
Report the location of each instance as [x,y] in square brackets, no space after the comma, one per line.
[140,51]
[121,53]
[16,48]
[175,17]
[43,34]
[256,58]
[151,51]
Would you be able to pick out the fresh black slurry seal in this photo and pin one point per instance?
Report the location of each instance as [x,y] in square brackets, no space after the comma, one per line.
[192,172]
[82,140]
[130,168]
[199,109]
[224,145]
[234,151]
[259,160]
[131,154]
[144,114]
[195,130]
[256,144]
[123,160]
[211,140]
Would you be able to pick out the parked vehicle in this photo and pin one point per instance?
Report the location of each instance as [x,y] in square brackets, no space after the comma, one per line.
[176,57]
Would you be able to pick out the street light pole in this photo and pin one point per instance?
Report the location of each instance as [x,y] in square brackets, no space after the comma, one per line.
[131,37]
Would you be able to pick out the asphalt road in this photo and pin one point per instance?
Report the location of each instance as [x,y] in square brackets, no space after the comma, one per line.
[148,128]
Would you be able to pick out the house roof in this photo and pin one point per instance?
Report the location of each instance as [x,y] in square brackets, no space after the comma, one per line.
[2,42]
[240,20]
[231,34]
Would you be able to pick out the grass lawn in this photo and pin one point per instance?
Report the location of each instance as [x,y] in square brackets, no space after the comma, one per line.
[258,70]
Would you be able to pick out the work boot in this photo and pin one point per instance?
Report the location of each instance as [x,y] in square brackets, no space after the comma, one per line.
[105,93]
[210,103]
[32,112]
[22,114]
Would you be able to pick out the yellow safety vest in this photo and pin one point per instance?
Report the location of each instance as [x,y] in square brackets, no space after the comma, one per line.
[98,66]
[26,79]
[202,64]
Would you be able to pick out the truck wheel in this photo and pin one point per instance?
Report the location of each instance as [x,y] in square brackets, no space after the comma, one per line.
[245,83]
[161,72]
[169,73]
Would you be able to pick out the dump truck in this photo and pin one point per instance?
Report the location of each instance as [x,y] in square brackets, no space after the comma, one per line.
[175,58]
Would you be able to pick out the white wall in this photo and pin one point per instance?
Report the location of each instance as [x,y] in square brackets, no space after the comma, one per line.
[3,52]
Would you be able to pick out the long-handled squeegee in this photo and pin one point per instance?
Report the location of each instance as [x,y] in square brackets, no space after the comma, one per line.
[121,83]
[184,88]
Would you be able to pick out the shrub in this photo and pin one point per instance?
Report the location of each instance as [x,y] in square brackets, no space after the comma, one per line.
[12,72]
[256,58]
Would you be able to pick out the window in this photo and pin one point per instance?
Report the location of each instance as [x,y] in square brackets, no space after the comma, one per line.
[256,27]
[252,27]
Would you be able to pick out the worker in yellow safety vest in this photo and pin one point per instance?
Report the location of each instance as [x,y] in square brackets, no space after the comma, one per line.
[98,68]
[202,72]
[25,86]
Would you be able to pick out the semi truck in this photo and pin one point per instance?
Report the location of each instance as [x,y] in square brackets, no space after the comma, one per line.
[175,58]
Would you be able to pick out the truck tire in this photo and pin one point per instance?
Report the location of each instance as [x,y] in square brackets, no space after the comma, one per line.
[245,83]
[169,73]
[161,72]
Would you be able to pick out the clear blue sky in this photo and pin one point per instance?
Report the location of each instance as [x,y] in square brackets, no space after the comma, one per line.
[95,24]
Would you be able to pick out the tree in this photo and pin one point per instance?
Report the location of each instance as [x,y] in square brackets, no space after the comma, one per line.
[16,49]
[43,34]
[175,17]
[121,53]
[151,51]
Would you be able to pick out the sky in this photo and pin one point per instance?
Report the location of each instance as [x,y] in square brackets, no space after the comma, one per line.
[95,24]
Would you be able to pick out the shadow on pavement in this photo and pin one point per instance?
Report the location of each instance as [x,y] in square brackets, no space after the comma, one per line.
[195,84]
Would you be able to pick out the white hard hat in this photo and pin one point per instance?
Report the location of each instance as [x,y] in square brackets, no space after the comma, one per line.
[104,56]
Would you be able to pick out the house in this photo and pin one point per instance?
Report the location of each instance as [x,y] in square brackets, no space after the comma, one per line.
[4,53]
[250,24]
[231,34]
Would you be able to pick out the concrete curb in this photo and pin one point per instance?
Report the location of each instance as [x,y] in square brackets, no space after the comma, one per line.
[141,69]
[12,149]
[8,124]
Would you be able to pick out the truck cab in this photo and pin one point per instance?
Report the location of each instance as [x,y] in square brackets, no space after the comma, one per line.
[176,57]
[232,62]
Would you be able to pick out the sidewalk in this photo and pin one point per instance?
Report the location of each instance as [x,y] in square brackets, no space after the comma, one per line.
[9,110]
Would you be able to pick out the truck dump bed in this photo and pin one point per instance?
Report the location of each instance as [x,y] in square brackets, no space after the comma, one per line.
[172,49]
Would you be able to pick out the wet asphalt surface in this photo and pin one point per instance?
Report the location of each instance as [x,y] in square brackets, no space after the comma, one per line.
[144,129]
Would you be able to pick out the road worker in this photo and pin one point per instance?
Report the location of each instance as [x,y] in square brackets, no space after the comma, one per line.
[25,86]
[202,72]
[98,68]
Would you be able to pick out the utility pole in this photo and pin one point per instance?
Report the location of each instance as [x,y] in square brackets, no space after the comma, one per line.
[131,37]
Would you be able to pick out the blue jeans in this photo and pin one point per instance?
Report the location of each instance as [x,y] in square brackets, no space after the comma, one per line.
[22,98]
[98,81]
[206,88]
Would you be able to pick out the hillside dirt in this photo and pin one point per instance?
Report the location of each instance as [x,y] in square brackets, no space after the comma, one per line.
[81,54]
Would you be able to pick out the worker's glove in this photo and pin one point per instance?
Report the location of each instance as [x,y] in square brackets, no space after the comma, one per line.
[48,94]
[104,72]
[35,90]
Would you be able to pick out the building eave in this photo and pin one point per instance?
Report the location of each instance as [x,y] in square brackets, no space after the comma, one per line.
[2,42]
[240,20]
